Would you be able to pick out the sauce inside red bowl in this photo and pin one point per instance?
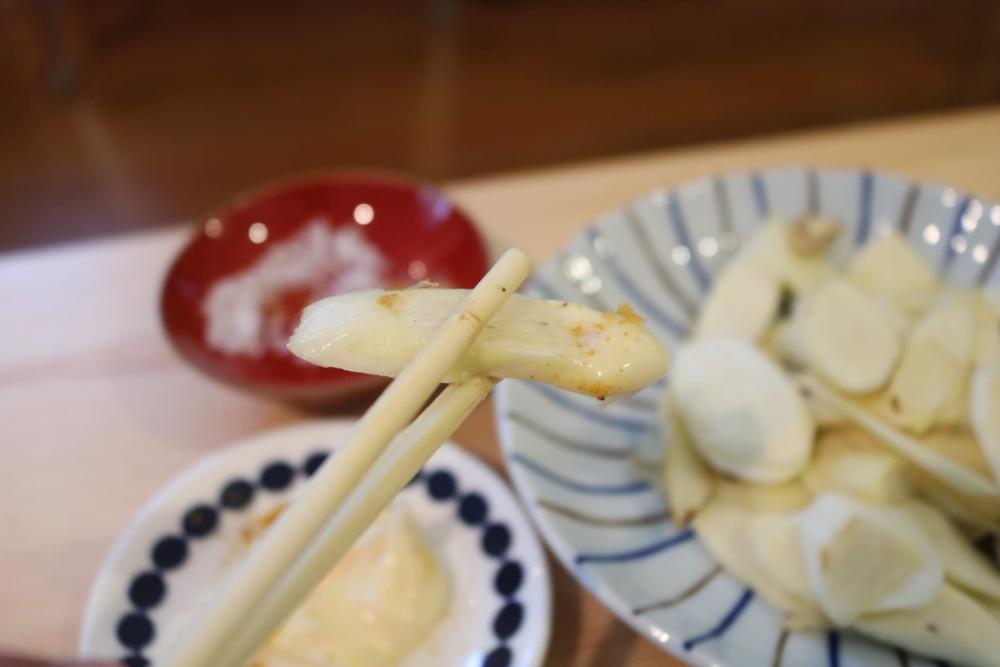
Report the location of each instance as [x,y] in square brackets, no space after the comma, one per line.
[235,292]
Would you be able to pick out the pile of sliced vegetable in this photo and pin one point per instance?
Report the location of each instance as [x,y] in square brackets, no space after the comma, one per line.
[835,440]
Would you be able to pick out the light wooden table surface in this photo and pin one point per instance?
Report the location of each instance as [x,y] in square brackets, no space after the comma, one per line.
[96,412]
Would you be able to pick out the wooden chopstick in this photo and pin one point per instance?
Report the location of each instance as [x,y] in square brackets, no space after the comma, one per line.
[299,525]
[397,465]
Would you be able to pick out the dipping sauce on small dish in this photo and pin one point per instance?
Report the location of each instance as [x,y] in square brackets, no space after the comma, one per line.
[235,292]
[374,608]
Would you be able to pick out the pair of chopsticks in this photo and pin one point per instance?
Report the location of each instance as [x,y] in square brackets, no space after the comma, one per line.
[386,449]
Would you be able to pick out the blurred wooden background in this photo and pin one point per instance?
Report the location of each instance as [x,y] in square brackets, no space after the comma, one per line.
[122,114]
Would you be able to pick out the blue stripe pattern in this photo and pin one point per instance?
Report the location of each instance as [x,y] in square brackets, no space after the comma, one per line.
[576,485]
[833,648]
[759,195]
[684,236]
[723,625]
[956,229]
[646,304]
[640,553]
[865,210]
[622,423]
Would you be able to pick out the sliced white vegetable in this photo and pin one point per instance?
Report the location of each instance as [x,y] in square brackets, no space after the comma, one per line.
[785,338]
[930,386]
[823,414]
[991,296]
[850,338]
[984,414]
[725,529]
[742,303]
[950,473]
[992,607]
[776,547]
[891,267]
[687,482]
[770,251]
[744,415]
[958,445]
[563,344]
[784,497]
[925,389]
[863,558]
[953,626]
[973,511]
[963,564]
[951,323]
[870,474]
[987,349]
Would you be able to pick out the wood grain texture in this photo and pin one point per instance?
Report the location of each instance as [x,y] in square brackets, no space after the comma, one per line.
[96,412]
[182,103]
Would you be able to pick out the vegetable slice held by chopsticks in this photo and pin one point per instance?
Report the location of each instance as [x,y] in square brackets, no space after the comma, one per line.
[563,344]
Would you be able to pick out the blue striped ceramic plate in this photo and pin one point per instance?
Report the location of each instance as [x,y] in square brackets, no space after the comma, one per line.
[190,533]
[575,464]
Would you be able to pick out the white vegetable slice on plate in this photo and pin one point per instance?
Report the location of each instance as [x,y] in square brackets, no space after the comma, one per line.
[889,266]
[564,344]
[950,473]
[770,250]
[687,482]
[742,303]
[864,558]
[951,323]
[784,497]
[963,564]
[775,541]
[745,417]
[984,413]
[850,338]
[725,528]
[929,387]
[844,464]
[987,350]
[953,626]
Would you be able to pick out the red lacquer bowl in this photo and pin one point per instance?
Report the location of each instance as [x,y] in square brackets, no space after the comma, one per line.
[236,290]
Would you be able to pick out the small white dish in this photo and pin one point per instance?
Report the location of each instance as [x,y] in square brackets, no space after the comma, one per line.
[573,461]
[189,534]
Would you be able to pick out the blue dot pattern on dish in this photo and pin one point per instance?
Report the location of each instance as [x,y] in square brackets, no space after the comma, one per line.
[441,485]
[147,589]
[236,495]
[277,476]
[508,620]
[498,657]
[135,630]
[169,552]
[508,578]
[200,521]
[496,539]
[313,463]
[472,509]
